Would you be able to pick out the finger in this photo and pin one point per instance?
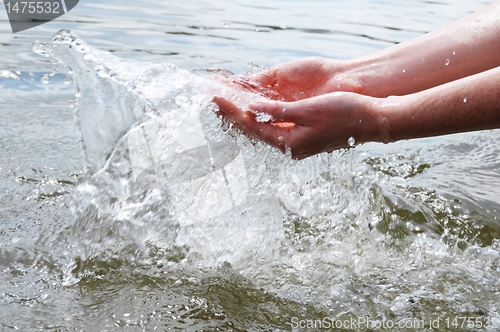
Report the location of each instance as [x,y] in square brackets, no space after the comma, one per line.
[255,85]
[245,118]
[265,131]
[267,78]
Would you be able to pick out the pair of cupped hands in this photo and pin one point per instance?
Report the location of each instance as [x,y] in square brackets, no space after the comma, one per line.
[313,104]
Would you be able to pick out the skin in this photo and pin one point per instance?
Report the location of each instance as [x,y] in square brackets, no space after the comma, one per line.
[444,82]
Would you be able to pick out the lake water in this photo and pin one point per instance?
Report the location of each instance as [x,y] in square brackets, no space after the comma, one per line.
[405,233]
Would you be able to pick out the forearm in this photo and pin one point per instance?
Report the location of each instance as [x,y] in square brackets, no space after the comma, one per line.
[468,104]
[466,47]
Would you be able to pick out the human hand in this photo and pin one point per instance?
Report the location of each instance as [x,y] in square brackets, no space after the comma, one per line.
[300,79]
[309,126]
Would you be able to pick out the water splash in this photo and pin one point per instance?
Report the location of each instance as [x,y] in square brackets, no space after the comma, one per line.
[263,117]
[45,79]
[351,142]
[166,174]
[171,188]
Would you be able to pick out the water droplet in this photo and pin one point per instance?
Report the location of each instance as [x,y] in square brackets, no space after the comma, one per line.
[180,100]
[40,48]
[454,52]
[8,74]
[465,99]
[404,70]
[257,30]
[64,33]
[283,26]
[447,62]
[254,68]
[302,95]
[45,79]
[73,103]
[101,71]
[280,138]
[263,117]
[351,141]
[68,79]
[226,24]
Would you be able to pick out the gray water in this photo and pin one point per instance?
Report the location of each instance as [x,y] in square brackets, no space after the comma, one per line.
[404,233]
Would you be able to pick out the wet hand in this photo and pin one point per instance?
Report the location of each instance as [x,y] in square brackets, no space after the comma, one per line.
[300,79]
[308,126]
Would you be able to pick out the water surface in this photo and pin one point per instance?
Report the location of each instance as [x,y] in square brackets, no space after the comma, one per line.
[390,232]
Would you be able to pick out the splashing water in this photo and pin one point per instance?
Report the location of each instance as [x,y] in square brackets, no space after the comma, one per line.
[263,117]
[172,187]
[165,173]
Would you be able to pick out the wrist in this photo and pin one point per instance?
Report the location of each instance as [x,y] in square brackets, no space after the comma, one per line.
[371,75]
[370,118]
[385,113]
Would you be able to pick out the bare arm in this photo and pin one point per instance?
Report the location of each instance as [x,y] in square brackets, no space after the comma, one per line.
[465,47]
[444,82]
[325,123]
[471,103]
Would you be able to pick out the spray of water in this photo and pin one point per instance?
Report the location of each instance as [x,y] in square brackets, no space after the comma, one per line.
[171,186]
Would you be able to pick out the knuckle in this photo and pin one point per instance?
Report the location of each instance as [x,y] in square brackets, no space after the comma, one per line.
[276,110]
